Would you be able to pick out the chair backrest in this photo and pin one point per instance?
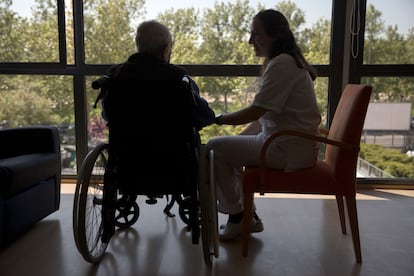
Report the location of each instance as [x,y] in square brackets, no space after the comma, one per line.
[346,126]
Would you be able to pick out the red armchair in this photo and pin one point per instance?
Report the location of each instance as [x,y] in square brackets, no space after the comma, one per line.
[335,175]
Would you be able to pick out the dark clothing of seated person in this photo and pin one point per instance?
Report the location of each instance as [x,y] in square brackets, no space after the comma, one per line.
[140,64]
[154,113]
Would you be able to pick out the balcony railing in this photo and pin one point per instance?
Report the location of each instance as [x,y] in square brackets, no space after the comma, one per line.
[368,170]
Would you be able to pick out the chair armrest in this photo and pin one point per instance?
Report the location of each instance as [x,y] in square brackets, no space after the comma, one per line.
[318,138]
[30,139]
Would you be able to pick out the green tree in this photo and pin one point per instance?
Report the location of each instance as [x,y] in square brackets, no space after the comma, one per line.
[225,33]
[184,25]
[109,33]
[11,40]
[42,33]
[384,45]
[26,108]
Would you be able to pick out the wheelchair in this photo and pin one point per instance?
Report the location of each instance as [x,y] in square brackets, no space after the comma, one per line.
[103,203]
[95,200]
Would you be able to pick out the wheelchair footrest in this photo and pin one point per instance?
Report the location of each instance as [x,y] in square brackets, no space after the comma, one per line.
[152,199]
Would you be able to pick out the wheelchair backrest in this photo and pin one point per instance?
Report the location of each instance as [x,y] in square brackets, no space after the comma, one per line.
[150,128]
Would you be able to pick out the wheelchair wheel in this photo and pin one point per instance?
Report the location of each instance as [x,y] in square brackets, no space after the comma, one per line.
[208,206]
[127,211]
[184,205]
[87,206]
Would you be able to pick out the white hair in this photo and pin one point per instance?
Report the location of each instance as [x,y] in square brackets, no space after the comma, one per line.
[152,37]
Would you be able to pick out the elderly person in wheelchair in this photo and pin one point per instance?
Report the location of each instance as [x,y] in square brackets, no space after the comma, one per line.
[154,113]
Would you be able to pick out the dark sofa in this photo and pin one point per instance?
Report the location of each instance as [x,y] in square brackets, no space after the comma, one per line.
[30,175]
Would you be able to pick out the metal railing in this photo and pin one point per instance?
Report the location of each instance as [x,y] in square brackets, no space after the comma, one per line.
[367,169]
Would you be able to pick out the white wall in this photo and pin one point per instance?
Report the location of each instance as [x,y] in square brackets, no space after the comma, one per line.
[388,116]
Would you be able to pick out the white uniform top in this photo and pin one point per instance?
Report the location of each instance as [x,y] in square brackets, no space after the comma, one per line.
[287,91]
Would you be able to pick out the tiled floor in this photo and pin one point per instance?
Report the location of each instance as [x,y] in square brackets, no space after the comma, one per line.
[302,237]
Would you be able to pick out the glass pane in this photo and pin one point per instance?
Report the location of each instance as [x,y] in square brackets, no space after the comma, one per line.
[41,100]
[205,32]
[97,129]
[225,94]
[70,42]
[387,148]
[30,31]
[389,32]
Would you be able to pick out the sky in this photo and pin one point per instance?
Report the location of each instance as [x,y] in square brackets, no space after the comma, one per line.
[395,12]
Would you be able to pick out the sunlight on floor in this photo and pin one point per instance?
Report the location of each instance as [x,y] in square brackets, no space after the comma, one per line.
[408,193]
[70,189]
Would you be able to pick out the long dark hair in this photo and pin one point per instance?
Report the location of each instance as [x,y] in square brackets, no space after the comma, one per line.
[277,27]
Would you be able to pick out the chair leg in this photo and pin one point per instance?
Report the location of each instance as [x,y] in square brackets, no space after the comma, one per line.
[340,203]
[248,212]
[353,221]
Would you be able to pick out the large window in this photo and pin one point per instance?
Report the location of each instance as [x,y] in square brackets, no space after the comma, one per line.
[55,49]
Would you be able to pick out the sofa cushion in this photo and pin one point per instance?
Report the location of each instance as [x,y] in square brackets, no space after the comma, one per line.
[20,172]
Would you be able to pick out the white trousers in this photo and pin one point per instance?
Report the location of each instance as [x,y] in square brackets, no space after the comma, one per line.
[231,153]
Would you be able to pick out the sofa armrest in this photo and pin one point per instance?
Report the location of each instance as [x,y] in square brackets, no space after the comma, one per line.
[28,140]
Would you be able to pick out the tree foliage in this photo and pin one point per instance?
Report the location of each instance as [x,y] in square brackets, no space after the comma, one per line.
[11,26]
[109,30]
[384,45]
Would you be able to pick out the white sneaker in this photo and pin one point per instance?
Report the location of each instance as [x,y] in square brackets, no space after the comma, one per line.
[231,231]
